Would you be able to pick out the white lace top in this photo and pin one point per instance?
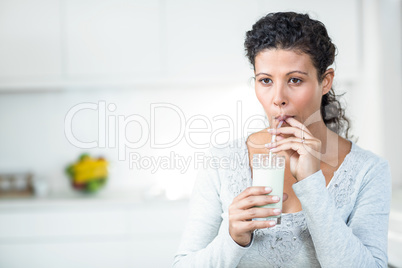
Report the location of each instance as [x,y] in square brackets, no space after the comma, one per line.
[342,225]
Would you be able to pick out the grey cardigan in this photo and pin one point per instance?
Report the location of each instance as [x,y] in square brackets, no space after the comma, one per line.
[342,225]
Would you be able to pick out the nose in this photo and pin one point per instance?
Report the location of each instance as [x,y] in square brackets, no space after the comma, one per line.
[280,98]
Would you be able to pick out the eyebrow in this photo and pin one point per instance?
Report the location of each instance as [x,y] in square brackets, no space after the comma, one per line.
[300,72]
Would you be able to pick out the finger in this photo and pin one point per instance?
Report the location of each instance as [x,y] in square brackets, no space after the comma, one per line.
[291,145]
[253,190]
[252,201]
[302,148]
[285,140]
[249,226]
[279,138]
[297,132]
[294,123]
[256,212]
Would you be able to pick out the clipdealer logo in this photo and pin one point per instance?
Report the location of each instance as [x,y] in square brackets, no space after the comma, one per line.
[112,134]
[112,130]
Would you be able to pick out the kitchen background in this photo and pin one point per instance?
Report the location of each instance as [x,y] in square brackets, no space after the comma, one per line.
[132,81]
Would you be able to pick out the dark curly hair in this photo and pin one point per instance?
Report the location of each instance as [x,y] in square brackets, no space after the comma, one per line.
[294,31]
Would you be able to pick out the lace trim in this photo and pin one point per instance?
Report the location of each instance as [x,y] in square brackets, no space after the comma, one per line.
[282,243]
[343,182]
[240,175]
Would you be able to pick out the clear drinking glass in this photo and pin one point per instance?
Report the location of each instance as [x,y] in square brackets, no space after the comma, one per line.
[269,171]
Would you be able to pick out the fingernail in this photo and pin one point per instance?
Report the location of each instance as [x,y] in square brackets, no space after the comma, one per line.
[272,223]
[268,189]
[270,130]
[274,150]
[275,198]
[268,145]
[277,211]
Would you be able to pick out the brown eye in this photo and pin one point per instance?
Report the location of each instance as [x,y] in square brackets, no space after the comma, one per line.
[295,81]
[266,81]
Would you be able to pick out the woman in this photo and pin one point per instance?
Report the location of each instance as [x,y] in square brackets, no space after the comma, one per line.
[337,194]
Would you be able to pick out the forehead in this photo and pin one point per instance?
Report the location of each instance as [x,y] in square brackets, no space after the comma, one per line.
[281,60]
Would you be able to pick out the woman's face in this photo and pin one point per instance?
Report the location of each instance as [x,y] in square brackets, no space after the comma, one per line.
[286,85]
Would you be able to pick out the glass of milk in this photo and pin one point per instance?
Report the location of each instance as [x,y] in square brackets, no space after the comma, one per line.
[269,171]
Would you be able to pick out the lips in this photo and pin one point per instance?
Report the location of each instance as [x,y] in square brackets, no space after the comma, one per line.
[283,117]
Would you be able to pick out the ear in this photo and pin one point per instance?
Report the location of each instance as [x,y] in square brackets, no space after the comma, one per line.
[327,81]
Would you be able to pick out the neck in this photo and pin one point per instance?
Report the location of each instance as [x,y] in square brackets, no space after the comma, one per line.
[320,131]
[329,141]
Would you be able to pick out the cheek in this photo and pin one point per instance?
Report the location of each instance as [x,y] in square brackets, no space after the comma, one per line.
[308,99]
[308,105]
[262,98]
[303,100]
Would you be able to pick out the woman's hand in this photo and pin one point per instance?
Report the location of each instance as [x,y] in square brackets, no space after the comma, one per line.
[303,149]
[243,209]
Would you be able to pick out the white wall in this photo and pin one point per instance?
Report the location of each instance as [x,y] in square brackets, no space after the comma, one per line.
[391,88]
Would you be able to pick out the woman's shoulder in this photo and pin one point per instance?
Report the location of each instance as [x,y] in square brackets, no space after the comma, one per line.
[366,162]
[369,157]
[370,172]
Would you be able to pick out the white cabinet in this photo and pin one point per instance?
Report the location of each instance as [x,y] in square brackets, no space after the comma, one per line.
[79,253]
[30,44]
[112,37]
[90,232]
[50,44]
[69,221]
[205,40]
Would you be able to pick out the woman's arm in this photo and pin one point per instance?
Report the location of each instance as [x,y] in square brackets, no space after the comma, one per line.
[201,245]
[362,240]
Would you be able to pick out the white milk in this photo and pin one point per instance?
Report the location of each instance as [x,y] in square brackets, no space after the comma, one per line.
[272,175]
